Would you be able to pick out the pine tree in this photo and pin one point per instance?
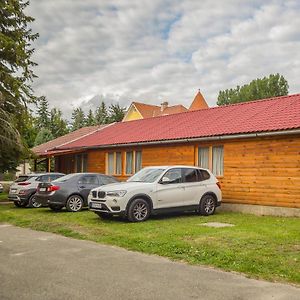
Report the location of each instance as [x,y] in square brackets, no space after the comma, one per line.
[58,126]
[101,115]
[90,120]
[116,113]
[43,114]
[43,136]
[15,76]
[78,119]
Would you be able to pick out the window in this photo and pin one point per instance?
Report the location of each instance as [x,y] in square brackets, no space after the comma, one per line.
[81,163]
[203,157]
[204,175]
[107,180]
[211,158]
[129,163]
[172,176]
[218,160]
[138,161]
[110,164]
[118,163]
[190,175]
[132,164]
[88,179]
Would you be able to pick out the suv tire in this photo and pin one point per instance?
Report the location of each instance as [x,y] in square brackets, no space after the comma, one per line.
[138,211]
[207,205]
[74,203]
[32,203]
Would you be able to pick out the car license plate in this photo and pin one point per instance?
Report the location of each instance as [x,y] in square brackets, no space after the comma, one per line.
[42,189]
[96,205]
[13,191]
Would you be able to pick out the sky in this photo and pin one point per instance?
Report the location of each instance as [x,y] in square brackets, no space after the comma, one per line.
[160,50]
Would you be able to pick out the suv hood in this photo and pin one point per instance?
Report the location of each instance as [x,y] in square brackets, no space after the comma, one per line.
[121,186]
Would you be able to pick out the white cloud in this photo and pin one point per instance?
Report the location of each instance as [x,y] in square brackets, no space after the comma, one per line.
[160,50]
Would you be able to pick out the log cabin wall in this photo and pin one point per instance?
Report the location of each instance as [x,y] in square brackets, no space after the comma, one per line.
[261,171]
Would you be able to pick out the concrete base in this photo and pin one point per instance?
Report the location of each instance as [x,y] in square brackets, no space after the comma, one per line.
[261,210]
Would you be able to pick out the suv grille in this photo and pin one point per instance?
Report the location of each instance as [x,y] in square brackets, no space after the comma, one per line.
[101,194]
[94,193]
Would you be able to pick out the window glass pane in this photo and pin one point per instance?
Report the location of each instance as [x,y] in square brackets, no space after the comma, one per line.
[88,179]
[203,157]
[107,180]
[190,175]
[129,161]
[138,161]
[204,174]
[172,176]
[84,162]
[110,161]
[218,160]
[118,163]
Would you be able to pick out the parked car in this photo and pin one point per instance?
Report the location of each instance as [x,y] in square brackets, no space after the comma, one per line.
[70,191]
[158,189]
[1,188]
[22,192]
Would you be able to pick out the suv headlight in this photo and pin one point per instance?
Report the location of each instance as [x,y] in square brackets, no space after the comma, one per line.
[116,193]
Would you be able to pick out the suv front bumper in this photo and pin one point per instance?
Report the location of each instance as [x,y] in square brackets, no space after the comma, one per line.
[101,206]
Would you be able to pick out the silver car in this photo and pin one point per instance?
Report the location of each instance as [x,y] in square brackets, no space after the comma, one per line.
[22,191]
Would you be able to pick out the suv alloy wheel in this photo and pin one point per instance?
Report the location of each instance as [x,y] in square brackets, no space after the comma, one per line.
[138,211]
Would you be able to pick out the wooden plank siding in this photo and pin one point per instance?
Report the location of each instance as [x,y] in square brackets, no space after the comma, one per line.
[264,171]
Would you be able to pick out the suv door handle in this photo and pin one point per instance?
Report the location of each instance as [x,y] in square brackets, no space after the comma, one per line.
[82,187]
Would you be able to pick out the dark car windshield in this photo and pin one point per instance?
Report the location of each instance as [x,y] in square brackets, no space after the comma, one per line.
[64,178]
[146,175]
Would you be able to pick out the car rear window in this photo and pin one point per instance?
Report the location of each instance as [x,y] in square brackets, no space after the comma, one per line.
[65,178]
[21,178]
[107,179]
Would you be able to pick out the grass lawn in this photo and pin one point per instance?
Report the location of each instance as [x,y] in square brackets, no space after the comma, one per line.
[3,197]
[261,247]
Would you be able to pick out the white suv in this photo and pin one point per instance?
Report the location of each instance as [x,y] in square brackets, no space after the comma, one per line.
[158,189]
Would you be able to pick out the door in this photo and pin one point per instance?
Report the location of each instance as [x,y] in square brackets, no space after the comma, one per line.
[86,183]
[170,192]
[193,185]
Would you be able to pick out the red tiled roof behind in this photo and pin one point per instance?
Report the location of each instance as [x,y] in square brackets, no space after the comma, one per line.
[63,140]
[272,114]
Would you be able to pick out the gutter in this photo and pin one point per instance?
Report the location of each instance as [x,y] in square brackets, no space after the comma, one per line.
[191,140]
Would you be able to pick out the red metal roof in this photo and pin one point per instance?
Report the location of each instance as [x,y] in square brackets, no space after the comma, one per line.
[273,114]
[45,148]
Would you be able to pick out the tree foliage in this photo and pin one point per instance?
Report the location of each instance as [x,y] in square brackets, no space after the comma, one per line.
[57,125]
[78,118]
[43,113]
[101,114]
[90,119]
[266,87]
[116,113]
[15,78]
[43,136]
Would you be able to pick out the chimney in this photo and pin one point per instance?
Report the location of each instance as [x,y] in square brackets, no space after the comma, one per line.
[163,106]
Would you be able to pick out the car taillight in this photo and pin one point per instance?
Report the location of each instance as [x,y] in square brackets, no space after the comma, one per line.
[219,185]
[53,188]
[23,183]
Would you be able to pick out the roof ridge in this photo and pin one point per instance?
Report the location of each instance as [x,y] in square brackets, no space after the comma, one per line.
[222,106]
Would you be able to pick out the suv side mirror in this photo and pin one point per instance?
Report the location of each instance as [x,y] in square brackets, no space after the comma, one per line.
[165,180]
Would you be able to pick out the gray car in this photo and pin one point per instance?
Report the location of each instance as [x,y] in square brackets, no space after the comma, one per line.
[70,191]
[22,191]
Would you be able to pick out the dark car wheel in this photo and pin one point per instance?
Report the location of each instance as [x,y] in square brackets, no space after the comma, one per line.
[138,211]
[20,203]
[33,203]
[55,207]
[103,215]
[207,205]
[74,203]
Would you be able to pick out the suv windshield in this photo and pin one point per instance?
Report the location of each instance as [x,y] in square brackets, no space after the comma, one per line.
[146,175]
